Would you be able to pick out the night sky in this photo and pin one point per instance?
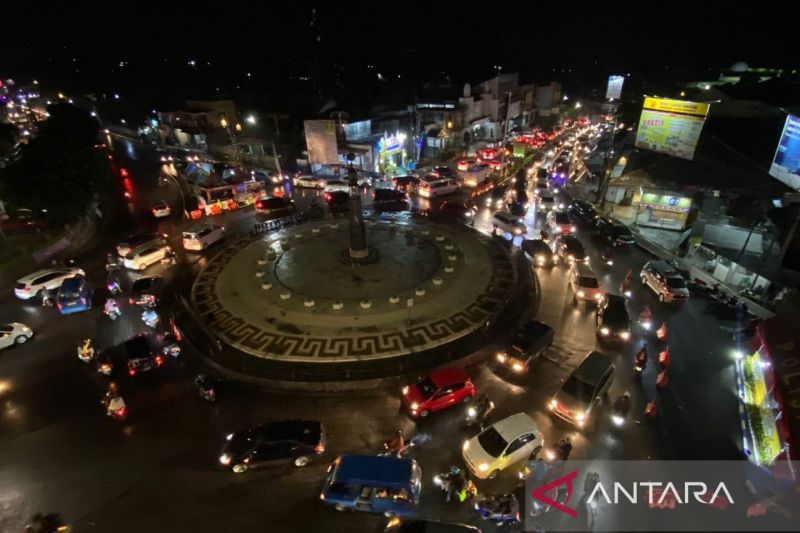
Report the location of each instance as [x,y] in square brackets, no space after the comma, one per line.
[147,48]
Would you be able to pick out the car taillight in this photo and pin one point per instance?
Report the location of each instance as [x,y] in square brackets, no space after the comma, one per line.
[159,360]
[131,301]
[319,447]
[131,372]
[259,205]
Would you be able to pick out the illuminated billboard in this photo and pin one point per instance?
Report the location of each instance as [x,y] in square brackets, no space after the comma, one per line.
[321,142]
[786,163]
[614,89]
[671,126]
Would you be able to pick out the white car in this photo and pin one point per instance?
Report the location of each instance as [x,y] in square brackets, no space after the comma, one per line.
[145,256]
[138,240]
[337,186]
[440,187]
[31,285]
[548,202]
[560,223]
[501,445]
[508,223]
[584,284]
[310,182]
[161,210]
[14,333]
[200,237]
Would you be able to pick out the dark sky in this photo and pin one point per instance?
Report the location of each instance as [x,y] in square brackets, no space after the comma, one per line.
[418,41]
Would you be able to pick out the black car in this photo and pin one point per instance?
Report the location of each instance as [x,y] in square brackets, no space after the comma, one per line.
[338,201]
[456,212]
[570,250]
[141,355]
[539,253]
[542,174]
[287,441]
[528,343]
[145,291]
[427,526]
[407,184]
[275,207]
[582,212]
[388,196]
[613,320]
[442,171]
[614,232]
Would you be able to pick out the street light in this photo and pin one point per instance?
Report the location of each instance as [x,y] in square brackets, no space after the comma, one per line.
[238,127]
[577,105]
[251,119]
[223,122]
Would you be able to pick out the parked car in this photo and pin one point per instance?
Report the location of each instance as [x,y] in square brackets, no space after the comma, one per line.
[582,212]
[337,201]
[664,281]
[570,250]
[539,253]
[310,182]
[287,441]
[613,232]
[23,221]
[14,333]
[145,256]
[275,207]
[584,284]
[141,355]
[529,342]
[560,223]
[74,295]
[50,279]
[613,320]
[508,223]
[139,239]
[579,395]
[438,188]
[201,237]
[502,445]
[146,291]
[441,389]
[161,210]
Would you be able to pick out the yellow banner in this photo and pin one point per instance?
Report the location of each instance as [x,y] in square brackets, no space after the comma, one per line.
[676,106]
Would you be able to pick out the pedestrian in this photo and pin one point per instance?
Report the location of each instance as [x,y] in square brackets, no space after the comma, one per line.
[47,298]
[540,469]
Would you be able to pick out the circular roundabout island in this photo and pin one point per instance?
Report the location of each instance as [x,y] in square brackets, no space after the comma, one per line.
[301,307]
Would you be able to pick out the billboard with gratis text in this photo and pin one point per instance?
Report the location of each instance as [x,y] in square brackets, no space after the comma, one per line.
[670,126]
[786,163]
[614,89]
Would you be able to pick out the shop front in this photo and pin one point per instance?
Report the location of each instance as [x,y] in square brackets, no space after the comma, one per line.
[661,209]
[391,153]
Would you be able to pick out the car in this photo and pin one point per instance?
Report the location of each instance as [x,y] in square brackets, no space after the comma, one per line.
[285,441]
[145,291]
[161,210]
[50,279]
[438,188]
[396,525]
[539,253]
[74,295]
[139,239]
[495,164]
[579,395]
[474,179]
[23,221]
[570,250]
[502,445]
[337,186]
[144,256]
[275,206]
[528,343]
[388,196]
[584,284]
[666,282]
[440,389]
[407,184]
[14,333]
[547,202]
[613,232]
[141,355]
[489,153]
[338,201]
[541,188]
[560,223]
[613,320]
[508,223]
[202,236]
[466,164]
[583,212]
[310,182]
[542,175]
[442,171]
[456,211]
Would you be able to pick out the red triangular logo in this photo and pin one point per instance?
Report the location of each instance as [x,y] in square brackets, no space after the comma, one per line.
[539,493]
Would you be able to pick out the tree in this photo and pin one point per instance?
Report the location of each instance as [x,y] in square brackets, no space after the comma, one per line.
[8,138]
[59,171]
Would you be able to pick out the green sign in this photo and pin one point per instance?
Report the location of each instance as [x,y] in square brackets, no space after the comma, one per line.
[666,201]
[520,149]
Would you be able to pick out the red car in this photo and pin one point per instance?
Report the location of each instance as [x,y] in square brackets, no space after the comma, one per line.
[441,389]
[496,165]
[23,221]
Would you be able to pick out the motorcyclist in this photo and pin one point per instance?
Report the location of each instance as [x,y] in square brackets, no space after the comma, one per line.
[607,256]
[563,448]
[150,317]
[504,503]
[397,444]
[113,285]
[85,348]
[623,404]
[111,308]
[483,407]
[641,358]
[206,386]
[113,401]
[455,482]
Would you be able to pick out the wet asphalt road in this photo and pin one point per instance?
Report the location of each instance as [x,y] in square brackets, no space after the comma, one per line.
[157,470]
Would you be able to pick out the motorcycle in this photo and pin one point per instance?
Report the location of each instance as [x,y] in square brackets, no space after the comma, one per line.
[478,413]
[113,287]
[151,318]
[607,258]
[111,310]
[501,509]
[646,318]
[558,494]
[620,410]
[115,407]
[455,482]
[46,523]
[640,362]
[85,351]
[104,364]
[205,388]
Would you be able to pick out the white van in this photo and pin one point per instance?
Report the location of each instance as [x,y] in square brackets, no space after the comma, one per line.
[432,189]
[200,237]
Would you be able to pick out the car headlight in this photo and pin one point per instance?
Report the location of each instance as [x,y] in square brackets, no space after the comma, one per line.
[405,390]
[573,229]
[579,294]
[483,467]
[414,406]
[465,446]
[597,296]
[625,335]
[605,331]
[225,459]
[518,231]
[518,367]
[553,404]
[540,258]
[229,436]
[472,412]
[571,257]
[581,418]
[501,357]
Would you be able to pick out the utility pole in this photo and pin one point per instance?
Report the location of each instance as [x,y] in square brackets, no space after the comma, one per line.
[503,139]
[603,186]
